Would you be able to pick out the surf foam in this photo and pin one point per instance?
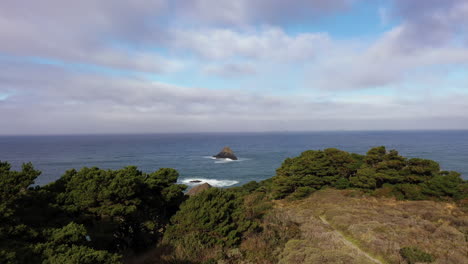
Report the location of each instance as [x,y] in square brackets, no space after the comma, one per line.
[212,182]
[225,160]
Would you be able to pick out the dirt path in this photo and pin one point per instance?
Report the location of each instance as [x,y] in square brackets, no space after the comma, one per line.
[348,243]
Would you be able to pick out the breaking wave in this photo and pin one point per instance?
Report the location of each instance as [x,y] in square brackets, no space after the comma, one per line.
[224,160]
[209,157]
[212,182]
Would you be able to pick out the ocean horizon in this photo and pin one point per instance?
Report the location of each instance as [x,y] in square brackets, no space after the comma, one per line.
[260,153]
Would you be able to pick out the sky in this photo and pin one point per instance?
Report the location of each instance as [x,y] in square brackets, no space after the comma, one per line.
[163,66]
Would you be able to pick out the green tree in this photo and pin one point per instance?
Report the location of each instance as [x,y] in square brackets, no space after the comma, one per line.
[214,217]
[375,155]
[123,208]
[446,184]
[87,216]
[364,178]
[14,185]
[69,244]
[420,170]
[15,236]
[314,169]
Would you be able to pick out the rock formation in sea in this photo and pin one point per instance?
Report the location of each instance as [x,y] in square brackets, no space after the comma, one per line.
[198,189]
[195,181]
[226,153]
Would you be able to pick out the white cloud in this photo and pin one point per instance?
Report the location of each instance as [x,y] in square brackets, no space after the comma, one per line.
[74,102]
[394,58]
[161,37]
[87,32]
[267,44]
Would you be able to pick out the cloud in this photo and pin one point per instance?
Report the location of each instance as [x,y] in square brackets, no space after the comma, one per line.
[271,43]
[87,32]
[432,23]
[231,40]
[134,35]
[230,70]
[53,100]
[246,12]
[429,39]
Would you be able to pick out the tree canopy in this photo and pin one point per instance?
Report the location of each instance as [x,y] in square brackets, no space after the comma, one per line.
[412,178]
[86,216]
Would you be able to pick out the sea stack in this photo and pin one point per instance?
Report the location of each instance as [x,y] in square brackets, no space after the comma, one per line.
[226,153]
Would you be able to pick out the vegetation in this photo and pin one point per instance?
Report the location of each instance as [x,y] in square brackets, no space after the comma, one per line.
[87,216]
[297,216]
[414,255]
[414,178]
[357,223]
[215,217]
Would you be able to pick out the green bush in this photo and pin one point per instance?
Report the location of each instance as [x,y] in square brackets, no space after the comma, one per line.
[413,255]
[247,188]
[213,218]
[364,178]
[301,192]
[123,208]
[446,184]
[313,169]
[87,216]
[413,179]
[409,191]
[342,183]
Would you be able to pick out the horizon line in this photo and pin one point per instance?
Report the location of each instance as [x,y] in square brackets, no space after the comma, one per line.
[233,132]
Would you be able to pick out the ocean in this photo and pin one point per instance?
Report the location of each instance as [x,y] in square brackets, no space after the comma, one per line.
[260,154]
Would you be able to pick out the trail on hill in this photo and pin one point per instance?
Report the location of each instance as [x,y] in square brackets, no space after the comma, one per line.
[319,242]
[347,228]
[348,243]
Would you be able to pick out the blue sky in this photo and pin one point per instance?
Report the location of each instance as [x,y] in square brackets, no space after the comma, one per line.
[149,66]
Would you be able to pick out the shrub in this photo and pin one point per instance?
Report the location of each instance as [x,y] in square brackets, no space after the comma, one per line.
[410,191]
[314,169]
[213,218]
[365,178]
[301,192]
[413,179]
[446,184]
[262,247]
[413,255]
[87,216]
[342,183]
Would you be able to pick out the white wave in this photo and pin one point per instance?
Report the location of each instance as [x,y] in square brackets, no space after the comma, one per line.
[226,160]
[212,182]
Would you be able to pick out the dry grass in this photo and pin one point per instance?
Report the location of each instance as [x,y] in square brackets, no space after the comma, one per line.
[294,233]
[379,226]
[265,247]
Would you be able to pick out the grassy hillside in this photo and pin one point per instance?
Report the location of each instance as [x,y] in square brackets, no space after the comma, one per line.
[379,227]
[342,226]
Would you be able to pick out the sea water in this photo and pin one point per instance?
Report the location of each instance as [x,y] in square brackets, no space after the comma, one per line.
[260,154]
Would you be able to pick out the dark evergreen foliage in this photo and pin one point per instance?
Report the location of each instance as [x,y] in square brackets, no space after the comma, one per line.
[414,178]
[214,217]
[87,216]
